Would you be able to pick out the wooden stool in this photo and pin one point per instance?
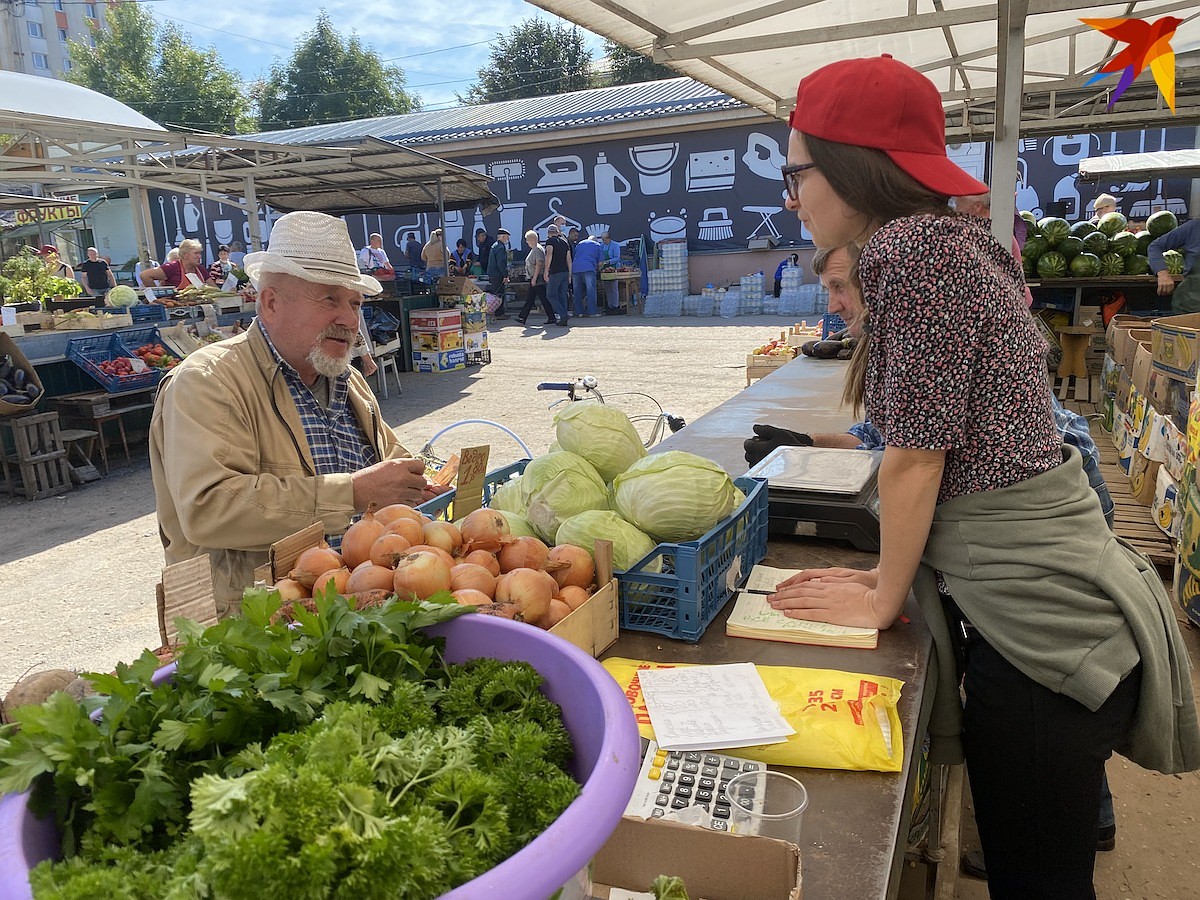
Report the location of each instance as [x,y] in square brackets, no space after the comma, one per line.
[1074,340]
[388,360]
[83,442]
[38,456]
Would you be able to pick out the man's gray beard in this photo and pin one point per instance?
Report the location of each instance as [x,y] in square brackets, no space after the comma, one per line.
[329,366]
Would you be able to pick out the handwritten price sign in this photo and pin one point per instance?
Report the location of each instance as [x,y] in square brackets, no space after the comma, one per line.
[472,468]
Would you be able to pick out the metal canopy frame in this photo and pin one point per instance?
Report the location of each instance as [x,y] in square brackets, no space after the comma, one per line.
[1135,166]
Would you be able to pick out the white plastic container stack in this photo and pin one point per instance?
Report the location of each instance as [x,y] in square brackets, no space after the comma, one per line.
[728,302]
[795,297]
[669,282]
[752,295]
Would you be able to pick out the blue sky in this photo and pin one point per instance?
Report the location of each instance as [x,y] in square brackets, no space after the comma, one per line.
[439,46]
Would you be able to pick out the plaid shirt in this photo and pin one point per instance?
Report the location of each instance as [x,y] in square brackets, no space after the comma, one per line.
[335,438]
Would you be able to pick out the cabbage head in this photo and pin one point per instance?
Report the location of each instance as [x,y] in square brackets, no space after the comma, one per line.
[629,544]
[601,434]
[675,496]
[557,486]
[507,497]
[518,525]
[121,296]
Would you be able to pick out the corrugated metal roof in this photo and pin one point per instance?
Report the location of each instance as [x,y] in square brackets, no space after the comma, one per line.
[597,106]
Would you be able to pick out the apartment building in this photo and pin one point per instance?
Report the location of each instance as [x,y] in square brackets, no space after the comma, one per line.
[34,33]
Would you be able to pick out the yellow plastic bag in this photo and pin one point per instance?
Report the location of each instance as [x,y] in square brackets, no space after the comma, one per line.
[843,720]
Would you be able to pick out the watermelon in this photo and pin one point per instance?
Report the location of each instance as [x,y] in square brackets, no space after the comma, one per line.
[1096,243]
[1161,222]
[1112,264]
[1082,229]
[1144,238]
[1029,266]
[1054,229]
[1174,261]
[1124,242]
[1070,247]
[1111,223]
[1137,265]
[1085,265]
[1029,217]
[1035,246]
[1052,264]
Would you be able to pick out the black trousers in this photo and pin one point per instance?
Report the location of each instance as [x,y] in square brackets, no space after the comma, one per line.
[537,292]
[1036,759]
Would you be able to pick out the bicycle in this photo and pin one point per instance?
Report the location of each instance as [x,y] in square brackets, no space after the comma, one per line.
[587,387]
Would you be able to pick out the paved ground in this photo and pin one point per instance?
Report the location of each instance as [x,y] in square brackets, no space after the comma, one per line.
[77,573]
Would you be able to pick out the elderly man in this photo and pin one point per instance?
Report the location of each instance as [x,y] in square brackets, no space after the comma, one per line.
[261,435]
[98,276]
[610,252]
[1102,206]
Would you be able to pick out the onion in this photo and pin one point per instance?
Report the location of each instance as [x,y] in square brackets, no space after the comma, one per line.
[369,577]
[420,575]
[483,525]
[357,541]
[441,554]
[558,612]
[389,547]
[580,570]
[468,597]
[499,610]
[314,562]
[410,530]
[573,596]
[290,589]
[337,577]
[483,558]
[468,576]
[530,589]
[444,535]
[396,511]
[523,553]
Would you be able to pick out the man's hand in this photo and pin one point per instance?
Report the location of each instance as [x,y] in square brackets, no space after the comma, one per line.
[768,437]
[1166,284]
[393,481]
[370,367]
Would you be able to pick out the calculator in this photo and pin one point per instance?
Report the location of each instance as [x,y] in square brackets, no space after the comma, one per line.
[671,781]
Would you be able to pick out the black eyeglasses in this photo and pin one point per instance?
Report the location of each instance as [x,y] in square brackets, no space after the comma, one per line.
[791,177]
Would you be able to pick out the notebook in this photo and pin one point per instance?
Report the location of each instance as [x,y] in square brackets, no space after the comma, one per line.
[753,617]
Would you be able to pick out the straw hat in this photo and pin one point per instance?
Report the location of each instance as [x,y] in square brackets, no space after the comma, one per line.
[314,247]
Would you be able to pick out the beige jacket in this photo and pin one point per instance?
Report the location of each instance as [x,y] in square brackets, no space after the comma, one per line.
[231,465]
[434,253]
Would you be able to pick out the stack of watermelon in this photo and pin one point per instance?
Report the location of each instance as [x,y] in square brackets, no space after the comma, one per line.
[1056,249]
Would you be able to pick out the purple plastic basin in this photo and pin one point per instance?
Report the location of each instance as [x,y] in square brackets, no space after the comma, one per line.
[606,762]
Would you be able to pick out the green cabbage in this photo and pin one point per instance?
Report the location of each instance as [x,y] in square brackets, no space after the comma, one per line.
[557,486]
[675,496]
[507,497]
[603,435]
[121,296]
[629,544]
[518,525]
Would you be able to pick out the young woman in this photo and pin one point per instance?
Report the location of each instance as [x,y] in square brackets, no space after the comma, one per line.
[1071,647]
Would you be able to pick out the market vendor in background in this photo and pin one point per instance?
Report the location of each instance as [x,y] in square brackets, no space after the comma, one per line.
[175,274]
[1067,645]
[434,254]
[610,253]
[373,260]
[497,269]
[260,435]
[461,259]
[585,264]
[98,275]
[54,263]
[1185,296]
[1102,206]
[221,268]
[788,262]
[412,250]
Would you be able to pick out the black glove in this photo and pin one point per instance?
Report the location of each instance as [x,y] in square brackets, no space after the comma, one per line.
[768,437]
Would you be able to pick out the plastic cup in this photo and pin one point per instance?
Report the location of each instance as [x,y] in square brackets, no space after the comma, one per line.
[766,803]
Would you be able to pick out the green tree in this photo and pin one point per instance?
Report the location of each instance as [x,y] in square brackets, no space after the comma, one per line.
[331,79]
[534,59]
[157,71]
[627,66]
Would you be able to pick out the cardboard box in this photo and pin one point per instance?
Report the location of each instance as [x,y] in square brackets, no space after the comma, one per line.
[457,286]
[1122,323]
[441,340]
[1176,341]
[1090,317]
[1189,526]
[1152,438]
[475,342]
[1143,362]
[1175,452]
[434,319]
[1187,587]
[1143,478]
[1165,506]
[1108,410]
[1127,341]
[714,865]
[439,362]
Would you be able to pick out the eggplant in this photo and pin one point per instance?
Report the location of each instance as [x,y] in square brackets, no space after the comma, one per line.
[6,369]
[32,391]
[807,347]
[18,378]
[4,388]
[17,399]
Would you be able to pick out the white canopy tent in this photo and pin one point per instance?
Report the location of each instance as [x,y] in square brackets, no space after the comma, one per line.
[1162,164]
[1005,68]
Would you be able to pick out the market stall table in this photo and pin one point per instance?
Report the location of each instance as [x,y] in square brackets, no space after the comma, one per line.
[97,408]
[857,823]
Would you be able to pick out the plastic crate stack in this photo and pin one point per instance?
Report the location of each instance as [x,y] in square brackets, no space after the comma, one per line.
[752,291]
[669,282]
[728,302]
[701,305]
[795,297]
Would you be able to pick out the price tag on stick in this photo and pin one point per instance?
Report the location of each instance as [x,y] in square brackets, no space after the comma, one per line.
[472,468]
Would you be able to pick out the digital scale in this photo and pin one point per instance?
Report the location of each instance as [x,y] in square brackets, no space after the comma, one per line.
[824,493]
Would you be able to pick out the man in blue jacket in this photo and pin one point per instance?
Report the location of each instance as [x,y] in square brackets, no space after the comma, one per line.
[586,262]
[497,269]
[1185,296]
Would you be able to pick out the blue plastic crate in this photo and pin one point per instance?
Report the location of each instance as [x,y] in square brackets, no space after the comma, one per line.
[698,577]
[831,323]
[89,352]
[148,312]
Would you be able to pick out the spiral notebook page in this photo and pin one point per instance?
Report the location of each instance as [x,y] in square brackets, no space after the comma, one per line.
[711,707]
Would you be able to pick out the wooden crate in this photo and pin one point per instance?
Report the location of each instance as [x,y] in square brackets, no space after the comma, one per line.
[762,366]
[39,458]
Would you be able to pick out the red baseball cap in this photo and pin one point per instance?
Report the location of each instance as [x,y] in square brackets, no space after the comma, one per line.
[48,248]
[882,103]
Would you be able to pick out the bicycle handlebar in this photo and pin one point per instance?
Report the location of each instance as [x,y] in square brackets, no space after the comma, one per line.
[555,386]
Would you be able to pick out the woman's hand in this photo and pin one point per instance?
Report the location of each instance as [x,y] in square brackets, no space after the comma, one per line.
[839,602]
[839,574]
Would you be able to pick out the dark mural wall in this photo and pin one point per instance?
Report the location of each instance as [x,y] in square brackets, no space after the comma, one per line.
[716,188]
